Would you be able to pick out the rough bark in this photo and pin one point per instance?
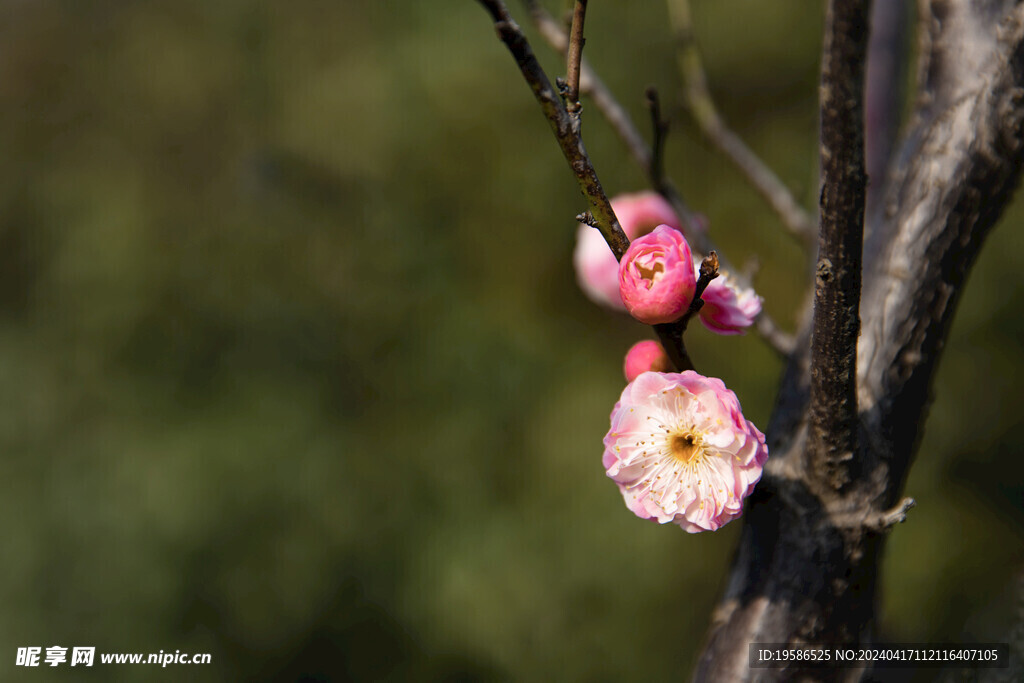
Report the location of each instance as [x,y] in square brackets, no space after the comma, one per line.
[832,446]
[806,566]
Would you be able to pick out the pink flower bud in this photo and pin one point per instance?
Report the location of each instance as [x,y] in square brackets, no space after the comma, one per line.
[596,268]
[729,308]
[680,450]
[645,356]
[656,276]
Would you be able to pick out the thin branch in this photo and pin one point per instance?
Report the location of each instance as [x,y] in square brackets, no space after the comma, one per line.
[711,124]
[622,123]
[574,56]
[659,127]
[566,129]
[779,340]
[562,125]
[833,437]
[671,334]
[897,514]
[708,272]
[552,32]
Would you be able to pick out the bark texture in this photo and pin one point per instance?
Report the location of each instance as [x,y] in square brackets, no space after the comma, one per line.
[832,447]
[808,557]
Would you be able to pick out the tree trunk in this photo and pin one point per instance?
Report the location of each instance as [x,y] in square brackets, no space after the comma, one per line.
[808,561]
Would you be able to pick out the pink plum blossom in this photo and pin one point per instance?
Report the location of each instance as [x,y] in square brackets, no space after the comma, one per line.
[681,451]
[656,277]
[645,356]
[596,268]
[729,307]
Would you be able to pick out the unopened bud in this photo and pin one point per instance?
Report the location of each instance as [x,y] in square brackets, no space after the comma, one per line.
[656,276]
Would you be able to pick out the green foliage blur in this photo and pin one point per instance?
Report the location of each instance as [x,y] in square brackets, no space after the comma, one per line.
[294,369]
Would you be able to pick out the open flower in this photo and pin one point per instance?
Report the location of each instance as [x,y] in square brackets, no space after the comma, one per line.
[729,308]
[596,268]
[681,451]
[656,277]
[645,356]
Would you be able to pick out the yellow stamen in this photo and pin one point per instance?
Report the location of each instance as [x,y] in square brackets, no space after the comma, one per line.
[687,447]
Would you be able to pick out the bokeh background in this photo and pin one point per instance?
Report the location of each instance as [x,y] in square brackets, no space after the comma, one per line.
[294,369]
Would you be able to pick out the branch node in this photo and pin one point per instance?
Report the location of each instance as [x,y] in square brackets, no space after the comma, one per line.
[574,57]
[708,272]
[564,126]
[554,33]
[883,521]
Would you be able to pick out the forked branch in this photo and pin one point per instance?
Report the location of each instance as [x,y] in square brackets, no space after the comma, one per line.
[809,556]
[713,126]
[562,124]
[622,123]
[574,57]
[566,128]
[648,160]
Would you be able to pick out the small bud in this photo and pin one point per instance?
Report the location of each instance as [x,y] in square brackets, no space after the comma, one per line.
[708,267]
[597,271]
[656,276]
[645,356]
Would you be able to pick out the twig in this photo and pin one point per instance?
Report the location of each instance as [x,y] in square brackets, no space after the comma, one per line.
[562,125]
[671,334]
[710,122]
[833,438]
[782,342]
[620,120]
[884,521]
[779,340]
[750,268]
[708,272]
[552,32]
[574,56]
[660,130]
[567,133]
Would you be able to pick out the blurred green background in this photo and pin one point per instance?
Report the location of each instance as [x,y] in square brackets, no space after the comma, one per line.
[294,369]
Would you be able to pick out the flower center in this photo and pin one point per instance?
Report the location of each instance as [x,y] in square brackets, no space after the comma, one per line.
[687,447]
[651,273]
